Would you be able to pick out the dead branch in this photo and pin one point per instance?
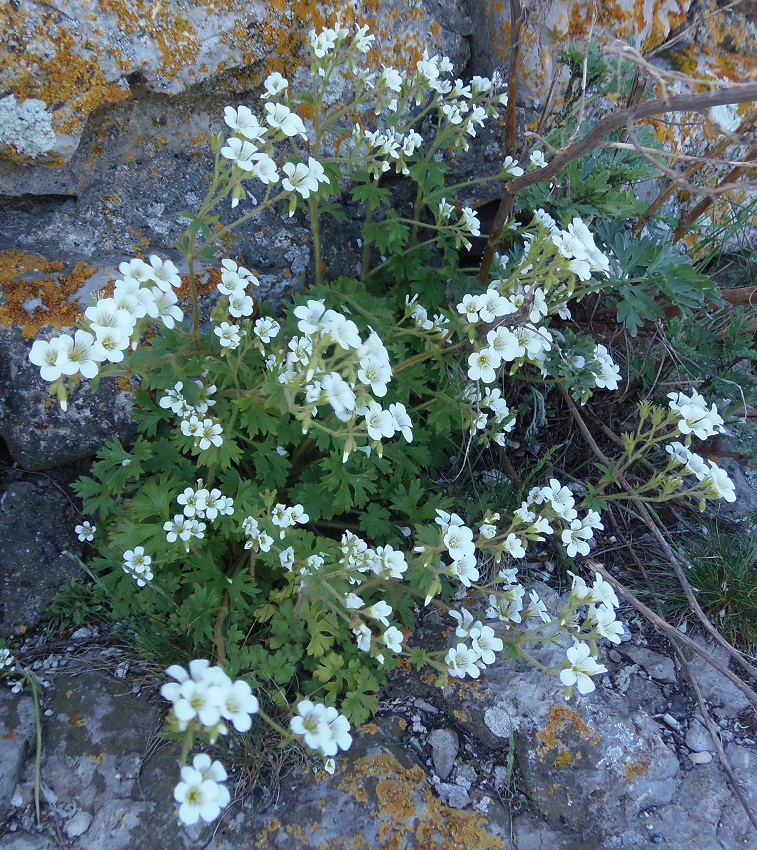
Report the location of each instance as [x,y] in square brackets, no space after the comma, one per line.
[699,102]
[707,202]
[714,152]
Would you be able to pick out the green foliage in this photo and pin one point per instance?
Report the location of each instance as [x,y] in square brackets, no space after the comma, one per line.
[283,509]
[723,575]
[645,269]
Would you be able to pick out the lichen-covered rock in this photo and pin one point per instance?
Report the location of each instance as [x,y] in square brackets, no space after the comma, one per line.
[554,25]
[77,59]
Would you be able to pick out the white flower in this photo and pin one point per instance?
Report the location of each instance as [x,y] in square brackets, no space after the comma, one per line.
[238,703]
[244,122]
[85,531]
[696,418]
[363,637]
[537,159]
[380,611]
[392,639]
[281,118]
[199,797]
[229,335]
[461,661]
[164,306]
[511,167]
[264,169]
[137,565]
[485,643]
[605,623]
[560,499]
[163,273]
[608,375]
[274,84]
[241,305]
[402,422]
[482,365]
[46,355]
[581,667]
[514,547]
[469,221]
[323,728]
[79,354]
[266,329]
[299,179]
[464,569]
[575,539]
[239,152]
[459,542]
[379,422]
[719,484]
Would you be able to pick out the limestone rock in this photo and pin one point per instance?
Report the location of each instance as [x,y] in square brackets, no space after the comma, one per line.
[16,730]
[89,56]
[37,528]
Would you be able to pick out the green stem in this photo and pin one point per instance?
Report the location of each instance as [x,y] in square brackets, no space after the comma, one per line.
[32,679]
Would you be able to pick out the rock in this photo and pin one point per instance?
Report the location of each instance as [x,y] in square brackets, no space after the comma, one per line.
[37,526]
[723,697]
[556,24]
[713,818]
[454,796]
[78,824]
[39,435]
[698,738]
[24,841]
[95,54]
[17,726]
[658,666]
[444,746]
[701,758]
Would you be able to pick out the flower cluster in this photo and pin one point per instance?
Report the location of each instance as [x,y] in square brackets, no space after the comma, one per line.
[695,417]
[144,293]
[137,565]
[205,698]
[322,727]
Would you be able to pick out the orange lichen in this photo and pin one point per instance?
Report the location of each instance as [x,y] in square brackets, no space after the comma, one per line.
[19,285]
[561,719]
[637,769]
[266,831]
[408,808]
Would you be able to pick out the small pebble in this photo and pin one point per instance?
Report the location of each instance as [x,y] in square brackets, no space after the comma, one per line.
[669,720]
[78,824]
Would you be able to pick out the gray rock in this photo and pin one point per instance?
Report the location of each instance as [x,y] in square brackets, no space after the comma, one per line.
[37,527]
[701,758]
[659,667]
[78,824]
[39,435]
[698,738]
[25,841]
[723,697]
[17,727]
[444,746]
[454,796]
